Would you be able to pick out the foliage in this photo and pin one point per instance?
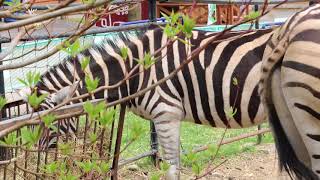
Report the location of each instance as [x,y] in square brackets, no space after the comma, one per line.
[34,100]
[10,140]
[124,53]
[3,102]
[48,122]
[30,136]
[253,15]
[147,60]
[73,49]
[91,84]
[84,63]
[32,78]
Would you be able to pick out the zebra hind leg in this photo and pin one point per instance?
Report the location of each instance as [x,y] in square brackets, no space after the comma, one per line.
[167,125]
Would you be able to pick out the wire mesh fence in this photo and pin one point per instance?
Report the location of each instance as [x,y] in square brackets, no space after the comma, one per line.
[21,163]
[29,163]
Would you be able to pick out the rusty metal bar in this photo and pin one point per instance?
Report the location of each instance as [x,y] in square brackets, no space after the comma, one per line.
[114,171]
[132,159]
[111,133]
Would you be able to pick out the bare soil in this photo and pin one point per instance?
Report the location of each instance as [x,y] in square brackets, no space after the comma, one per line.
[259,165]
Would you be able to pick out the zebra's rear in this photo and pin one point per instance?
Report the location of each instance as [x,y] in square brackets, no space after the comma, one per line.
[290,89]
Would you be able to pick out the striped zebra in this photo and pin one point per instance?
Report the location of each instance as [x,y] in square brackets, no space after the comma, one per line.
[289,88]
[200,92]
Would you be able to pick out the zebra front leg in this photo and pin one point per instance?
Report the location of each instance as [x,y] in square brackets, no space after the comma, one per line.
[167,126]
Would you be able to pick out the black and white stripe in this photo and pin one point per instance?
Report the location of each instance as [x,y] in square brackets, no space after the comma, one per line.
[290,90]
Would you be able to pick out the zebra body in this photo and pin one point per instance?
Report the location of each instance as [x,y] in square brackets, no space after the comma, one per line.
[289,87]
[201,92]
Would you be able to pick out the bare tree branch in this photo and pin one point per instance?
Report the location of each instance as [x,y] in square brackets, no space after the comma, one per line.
[13,44]
[50,15]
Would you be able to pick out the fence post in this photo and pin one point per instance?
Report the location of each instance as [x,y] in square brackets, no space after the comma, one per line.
[115,162]
[2,90]
[153,134]
[256,8]
[3,150]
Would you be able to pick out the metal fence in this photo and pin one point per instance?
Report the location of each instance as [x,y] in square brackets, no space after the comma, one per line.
[23,163]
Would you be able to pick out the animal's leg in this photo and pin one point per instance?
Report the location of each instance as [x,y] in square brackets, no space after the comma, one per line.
[167,126]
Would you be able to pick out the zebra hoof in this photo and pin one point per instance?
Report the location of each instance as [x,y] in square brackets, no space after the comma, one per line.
[172,173]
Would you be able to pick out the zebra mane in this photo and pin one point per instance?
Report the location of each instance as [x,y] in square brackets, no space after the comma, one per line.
[116,39]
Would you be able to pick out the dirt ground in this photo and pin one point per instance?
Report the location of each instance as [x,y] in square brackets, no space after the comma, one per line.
[259,165]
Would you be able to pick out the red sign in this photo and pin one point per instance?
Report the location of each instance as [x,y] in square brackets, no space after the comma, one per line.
[121,15]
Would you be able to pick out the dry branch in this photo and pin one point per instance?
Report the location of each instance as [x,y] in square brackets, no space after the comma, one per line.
[49,15]
[233,139]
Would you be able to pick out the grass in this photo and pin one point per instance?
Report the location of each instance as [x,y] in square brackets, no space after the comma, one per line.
[192,136]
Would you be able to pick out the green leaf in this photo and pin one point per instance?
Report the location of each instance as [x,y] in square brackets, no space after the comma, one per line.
[84,62]
[35,101]
[48,120]
[65,148]
[235,81]
[252,15]
[231,112]
[8,3]
[63,167]
[106,117]
[156,176]
[104,167]
[91,84]
[196,168]
[14,4]
[3,102]
[171,31]
[147,61]
[31,137]
[184,41]
[168,19]
[51,168]
[188,25]
[72,49]
[124,53]
[68,176]
[86,166]
[174,17]
[93,137]
[22,82]
[10,139]
[93,110]
[32,78]
[191,157]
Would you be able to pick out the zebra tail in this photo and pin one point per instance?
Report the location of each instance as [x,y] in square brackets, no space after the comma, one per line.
[287,157]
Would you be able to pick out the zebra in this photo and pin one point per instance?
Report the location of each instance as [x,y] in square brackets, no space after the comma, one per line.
[199,93]
[289,89]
